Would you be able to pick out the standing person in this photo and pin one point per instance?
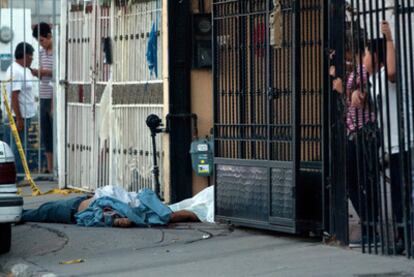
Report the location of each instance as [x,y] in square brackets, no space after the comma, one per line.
[21,95]
[360,147]
[43,34]
[380,62]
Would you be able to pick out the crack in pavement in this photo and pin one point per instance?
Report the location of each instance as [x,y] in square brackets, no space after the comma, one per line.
[173,242]
[60,234]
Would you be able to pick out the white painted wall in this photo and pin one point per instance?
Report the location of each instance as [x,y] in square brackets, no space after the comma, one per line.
[19,21]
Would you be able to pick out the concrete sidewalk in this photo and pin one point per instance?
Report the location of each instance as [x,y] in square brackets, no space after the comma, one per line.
[182,250]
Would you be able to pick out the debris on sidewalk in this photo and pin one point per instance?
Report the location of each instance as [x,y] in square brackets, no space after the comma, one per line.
[76,261]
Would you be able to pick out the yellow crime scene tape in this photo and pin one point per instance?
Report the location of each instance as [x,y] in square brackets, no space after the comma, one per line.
[35,189]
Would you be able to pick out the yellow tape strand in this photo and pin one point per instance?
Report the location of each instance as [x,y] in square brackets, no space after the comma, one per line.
[35,189]
[77,261]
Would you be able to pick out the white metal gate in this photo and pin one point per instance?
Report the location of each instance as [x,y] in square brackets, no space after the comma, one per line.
[17,20]
[99,94]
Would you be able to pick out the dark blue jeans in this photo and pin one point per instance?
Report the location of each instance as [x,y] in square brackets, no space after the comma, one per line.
[60,211]
[6,132]
[23,138]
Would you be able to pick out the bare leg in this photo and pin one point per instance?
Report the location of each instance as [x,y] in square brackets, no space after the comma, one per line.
[122,222]
[183,216]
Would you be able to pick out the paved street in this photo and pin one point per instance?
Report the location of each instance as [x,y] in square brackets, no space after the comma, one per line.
[183,250]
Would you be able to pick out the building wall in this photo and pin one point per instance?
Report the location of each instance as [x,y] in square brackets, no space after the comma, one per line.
[202,101]
[166,84]
[42,10]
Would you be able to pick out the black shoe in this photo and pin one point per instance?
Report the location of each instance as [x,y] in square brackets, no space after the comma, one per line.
[399,248]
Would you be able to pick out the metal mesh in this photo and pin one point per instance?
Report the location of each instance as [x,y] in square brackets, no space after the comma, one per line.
[125,157]
[253,82]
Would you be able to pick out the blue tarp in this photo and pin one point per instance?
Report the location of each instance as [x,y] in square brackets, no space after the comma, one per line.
[151,211]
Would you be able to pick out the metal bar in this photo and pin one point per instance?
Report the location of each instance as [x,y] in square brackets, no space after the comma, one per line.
[339,211]
[407,130]
[411,81]
[296,88]
[401,136]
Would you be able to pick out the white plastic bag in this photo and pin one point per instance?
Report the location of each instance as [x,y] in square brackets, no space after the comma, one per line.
[118,193]
[202,204]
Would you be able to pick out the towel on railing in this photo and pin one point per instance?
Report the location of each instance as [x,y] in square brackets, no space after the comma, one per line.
[152,49]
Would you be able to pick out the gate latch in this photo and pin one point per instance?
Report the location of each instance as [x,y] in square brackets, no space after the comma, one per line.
[276,26]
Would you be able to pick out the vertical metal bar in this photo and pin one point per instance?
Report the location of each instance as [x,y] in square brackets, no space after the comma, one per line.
[227,89]
[407,125]
[268,101]
[306,81]
[400,110]
[339,201]
[411,81]
[296,88]
[372,108]
[215,86]
[312,106]
[324,114]
[237,73]
[55,85]
[360,141]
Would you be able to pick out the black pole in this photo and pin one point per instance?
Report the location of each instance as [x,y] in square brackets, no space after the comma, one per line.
[154,123]
[179,118]
[155,170]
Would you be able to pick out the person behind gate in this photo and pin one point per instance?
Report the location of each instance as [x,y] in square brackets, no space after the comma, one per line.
[361,148]
[43,34]
[380,62]
[20,93]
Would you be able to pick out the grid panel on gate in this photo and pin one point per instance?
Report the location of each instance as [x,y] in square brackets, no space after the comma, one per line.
[311,83]
[132,30]
[242,94]
[281,117]
[79,146]
[125,157]
[240,64]
[132,146]
[79,45]
[20,16]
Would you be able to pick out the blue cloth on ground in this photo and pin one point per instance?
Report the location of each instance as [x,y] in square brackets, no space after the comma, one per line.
[151,211]
[152,49]
[60,211]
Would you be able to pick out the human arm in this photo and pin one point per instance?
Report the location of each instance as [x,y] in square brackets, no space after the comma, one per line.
[358,99]
[40,73]
[390,59]
[337,84]
[16,108]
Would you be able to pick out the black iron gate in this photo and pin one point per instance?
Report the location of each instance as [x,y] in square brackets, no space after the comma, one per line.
[268,78]
[372,123]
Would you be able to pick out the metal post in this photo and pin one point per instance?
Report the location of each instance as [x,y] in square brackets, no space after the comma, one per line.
[337,180]
[180,99]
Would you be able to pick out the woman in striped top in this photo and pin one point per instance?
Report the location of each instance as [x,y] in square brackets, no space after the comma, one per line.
[361,148]
[43,34]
